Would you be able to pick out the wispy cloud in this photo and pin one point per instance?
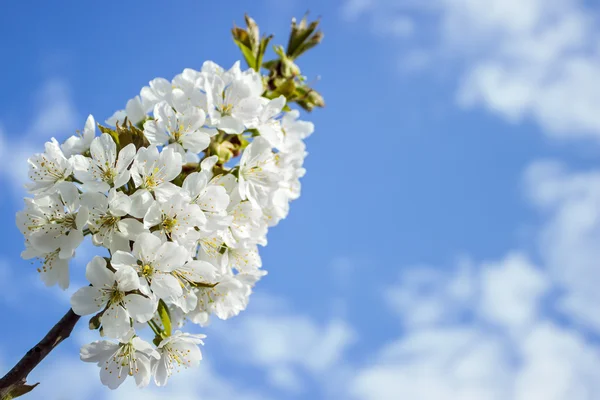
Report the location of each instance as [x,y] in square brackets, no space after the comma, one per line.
[505,329]
[520,59]
[55,115]
[289,347]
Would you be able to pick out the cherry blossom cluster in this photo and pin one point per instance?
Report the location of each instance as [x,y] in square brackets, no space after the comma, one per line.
[179,221]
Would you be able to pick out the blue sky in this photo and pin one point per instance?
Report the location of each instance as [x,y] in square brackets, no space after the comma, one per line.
[446,242]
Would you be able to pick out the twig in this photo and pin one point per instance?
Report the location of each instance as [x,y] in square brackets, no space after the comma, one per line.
[13,384]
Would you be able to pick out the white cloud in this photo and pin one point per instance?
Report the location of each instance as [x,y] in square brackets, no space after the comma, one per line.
[286,345]
[520,59]
[569,241]
[55,115]
[489,331]
[284,378]
[510,290]
[427,296]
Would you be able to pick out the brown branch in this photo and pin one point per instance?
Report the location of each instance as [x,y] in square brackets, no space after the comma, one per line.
[13,384]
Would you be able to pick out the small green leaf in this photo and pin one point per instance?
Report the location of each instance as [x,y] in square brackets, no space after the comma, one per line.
[300,33]
[111,132]
[253,33]
[247,52]
[129,133]
[165,317]
[18,390]
[261,51]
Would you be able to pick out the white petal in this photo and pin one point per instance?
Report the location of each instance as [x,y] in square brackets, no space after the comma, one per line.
[122,259]
[140,202]
[119,203]
[142,375]
[141,308]
[115,321]
[153,216]
[231,125]
[87,300]
[131,228]
[98,274]
[127,279]
[165,191]
[170,256]
[145,246]
[125,158]
[196,141]
[166,286]
[160,370]
[98,351]
[104,150]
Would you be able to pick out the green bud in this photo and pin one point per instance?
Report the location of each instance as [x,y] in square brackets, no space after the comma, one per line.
[253,34]
[315,98]
[126,134]
[287,88]
[224,151]
[301,35]
[95,322]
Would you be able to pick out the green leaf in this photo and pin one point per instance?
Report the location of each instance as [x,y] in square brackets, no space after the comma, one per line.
[18,390]
[271,64]
[129,133]
[247,52]
[165,317]
[299,34]
[315,40]
[126,134]
[253,33]
[261,51]
[111,132]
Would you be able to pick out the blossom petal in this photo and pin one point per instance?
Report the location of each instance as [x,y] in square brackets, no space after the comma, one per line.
[87,300]
[98,274]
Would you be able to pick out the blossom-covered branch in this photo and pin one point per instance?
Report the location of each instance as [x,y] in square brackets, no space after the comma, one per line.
[179,189]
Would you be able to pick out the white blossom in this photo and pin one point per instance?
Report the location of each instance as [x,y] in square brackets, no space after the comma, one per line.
[156,263]
[258,174]
[104,169]
[153,172]
[54,221]
[115,294]
[182,130]
[268,124]
[233,106]
[175,219]
[135,111]
[176,351]
[48,169]
[130,357]
[211,198]
[108,219]
[80,143]
[54,270]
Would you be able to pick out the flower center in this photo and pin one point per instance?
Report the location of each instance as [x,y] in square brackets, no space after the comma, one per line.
[116,296]
[150,181]
[108,221]
[108,175]
[225,109]
[147,270]
[169,224]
